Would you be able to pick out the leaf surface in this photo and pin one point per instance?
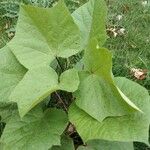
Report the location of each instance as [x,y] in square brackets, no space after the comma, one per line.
[11,72]
[91,20]
[69,80]
[127,128]
[106,145]
[43,34]
[37,130]
[66,144]
[36,85]
[97,94]
[6,111]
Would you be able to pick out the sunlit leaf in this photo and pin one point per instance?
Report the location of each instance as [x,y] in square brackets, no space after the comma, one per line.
[127,128]
[69,80]
[36,85]
[91,20]
[11,72]
[43,34]
[98,95]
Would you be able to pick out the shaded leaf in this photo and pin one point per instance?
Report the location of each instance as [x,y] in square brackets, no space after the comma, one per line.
[66,144]
[6,111]
[37,130]
[85,148]
[106,145]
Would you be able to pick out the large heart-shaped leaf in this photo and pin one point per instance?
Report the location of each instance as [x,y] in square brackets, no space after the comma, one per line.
[43,34]
[37,130]
[106,145]
[91,20]
[28,88]
[133,127]
[97,94]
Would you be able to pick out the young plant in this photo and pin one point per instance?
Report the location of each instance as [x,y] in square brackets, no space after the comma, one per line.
[104,109]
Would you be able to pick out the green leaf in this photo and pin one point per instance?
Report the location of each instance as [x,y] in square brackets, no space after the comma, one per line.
[37,130]
[69,80]
[79,65]
[36,85]
[43,34]
[6,111]
[97,94]
[91,20]
[66,144]
[98,60]
[85,148]
[11,72]
[127,128]
[39,83]
[106,145]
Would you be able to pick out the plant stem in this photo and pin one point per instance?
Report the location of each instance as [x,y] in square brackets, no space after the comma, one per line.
[60,99]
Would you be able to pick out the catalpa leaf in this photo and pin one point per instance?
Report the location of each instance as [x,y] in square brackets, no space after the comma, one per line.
[28,89]
[69,80]
[43,34]
[91,20]
[66,144]
[11,73]
[38,83]
[37,42]
[134,127]
[106,145]
[37,130]
[97,94]
[85,148]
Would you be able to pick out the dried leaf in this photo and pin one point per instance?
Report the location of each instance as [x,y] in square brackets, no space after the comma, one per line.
[139,74]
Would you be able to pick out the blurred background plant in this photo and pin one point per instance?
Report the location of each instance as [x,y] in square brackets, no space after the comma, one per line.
[130,42]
